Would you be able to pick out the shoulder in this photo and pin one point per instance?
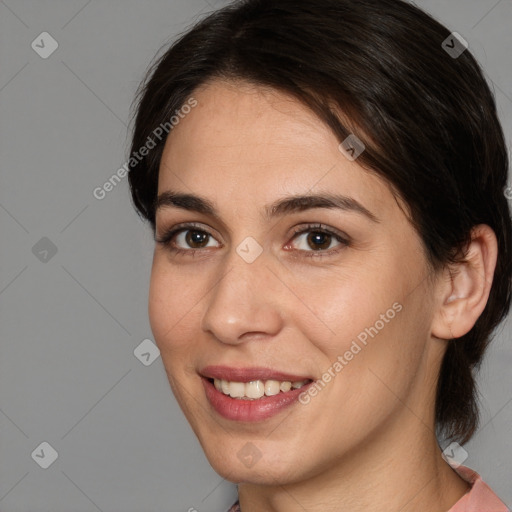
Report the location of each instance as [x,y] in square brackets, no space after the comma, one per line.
[235,508]
[479,497]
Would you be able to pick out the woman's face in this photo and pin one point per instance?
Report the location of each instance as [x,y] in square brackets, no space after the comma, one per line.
[337,295]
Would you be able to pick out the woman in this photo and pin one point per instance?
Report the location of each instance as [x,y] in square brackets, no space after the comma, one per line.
[325,182]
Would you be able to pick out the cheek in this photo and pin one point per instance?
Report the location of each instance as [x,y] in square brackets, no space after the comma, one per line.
[352,302]
[172,321]
[376,319]
[381,361]
[158,304]
[171,307]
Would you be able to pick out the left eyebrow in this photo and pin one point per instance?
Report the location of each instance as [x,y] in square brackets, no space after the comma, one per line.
[300,203]
[291,204]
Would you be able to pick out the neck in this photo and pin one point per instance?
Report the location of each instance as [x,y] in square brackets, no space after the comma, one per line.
[401,468]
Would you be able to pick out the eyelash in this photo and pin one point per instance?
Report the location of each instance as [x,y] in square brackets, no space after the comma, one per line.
[168,236]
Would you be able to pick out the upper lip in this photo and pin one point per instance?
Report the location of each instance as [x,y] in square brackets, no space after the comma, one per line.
[247,374]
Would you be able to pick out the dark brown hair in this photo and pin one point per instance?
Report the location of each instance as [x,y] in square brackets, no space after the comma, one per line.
[378,69]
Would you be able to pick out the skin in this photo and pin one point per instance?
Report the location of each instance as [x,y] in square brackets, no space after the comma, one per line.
[367,438]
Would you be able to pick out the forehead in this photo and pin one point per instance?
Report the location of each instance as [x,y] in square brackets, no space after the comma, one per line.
[229,114]
[243,140]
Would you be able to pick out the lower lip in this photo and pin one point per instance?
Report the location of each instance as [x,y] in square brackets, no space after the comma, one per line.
[250,410]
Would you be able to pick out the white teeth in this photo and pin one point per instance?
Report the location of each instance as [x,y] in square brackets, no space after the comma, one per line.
[237,389]
[256,388]
[272,387]
[285,386]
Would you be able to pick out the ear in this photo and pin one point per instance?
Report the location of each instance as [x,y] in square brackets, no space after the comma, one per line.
[463,289]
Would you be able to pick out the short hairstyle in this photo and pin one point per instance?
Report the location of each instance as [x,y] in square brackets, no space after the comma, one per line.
[377,69]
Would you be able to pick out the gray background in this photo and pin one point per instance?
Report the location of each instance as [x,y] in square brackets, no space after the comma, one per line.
[70,321]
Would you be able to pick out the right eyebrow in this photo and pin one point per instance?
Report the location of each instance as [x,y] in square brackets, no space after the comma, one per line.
[188,202]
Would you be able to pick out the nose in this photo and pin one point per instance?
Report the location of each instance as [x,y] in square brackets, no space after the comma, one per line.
[244,303]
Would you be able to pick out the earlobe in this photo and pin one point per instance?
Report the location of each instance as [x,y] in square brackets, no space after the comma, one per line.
[464,288]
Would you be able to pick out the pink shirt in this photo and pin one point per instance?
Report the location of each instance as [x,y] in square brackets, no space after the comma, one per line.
[480,498]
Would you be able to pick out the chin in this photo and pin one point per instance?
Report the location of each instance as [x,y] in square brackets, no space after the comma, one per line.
[247,464]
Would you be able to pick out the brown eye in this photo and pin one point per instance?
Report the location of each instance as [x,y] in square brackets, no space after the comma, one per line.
[315,240]
[196,239]
[185,238]
[318,240]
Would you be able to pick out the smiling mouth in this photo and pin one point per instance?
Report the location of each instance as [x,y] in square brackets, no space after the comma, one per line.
[256,389]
